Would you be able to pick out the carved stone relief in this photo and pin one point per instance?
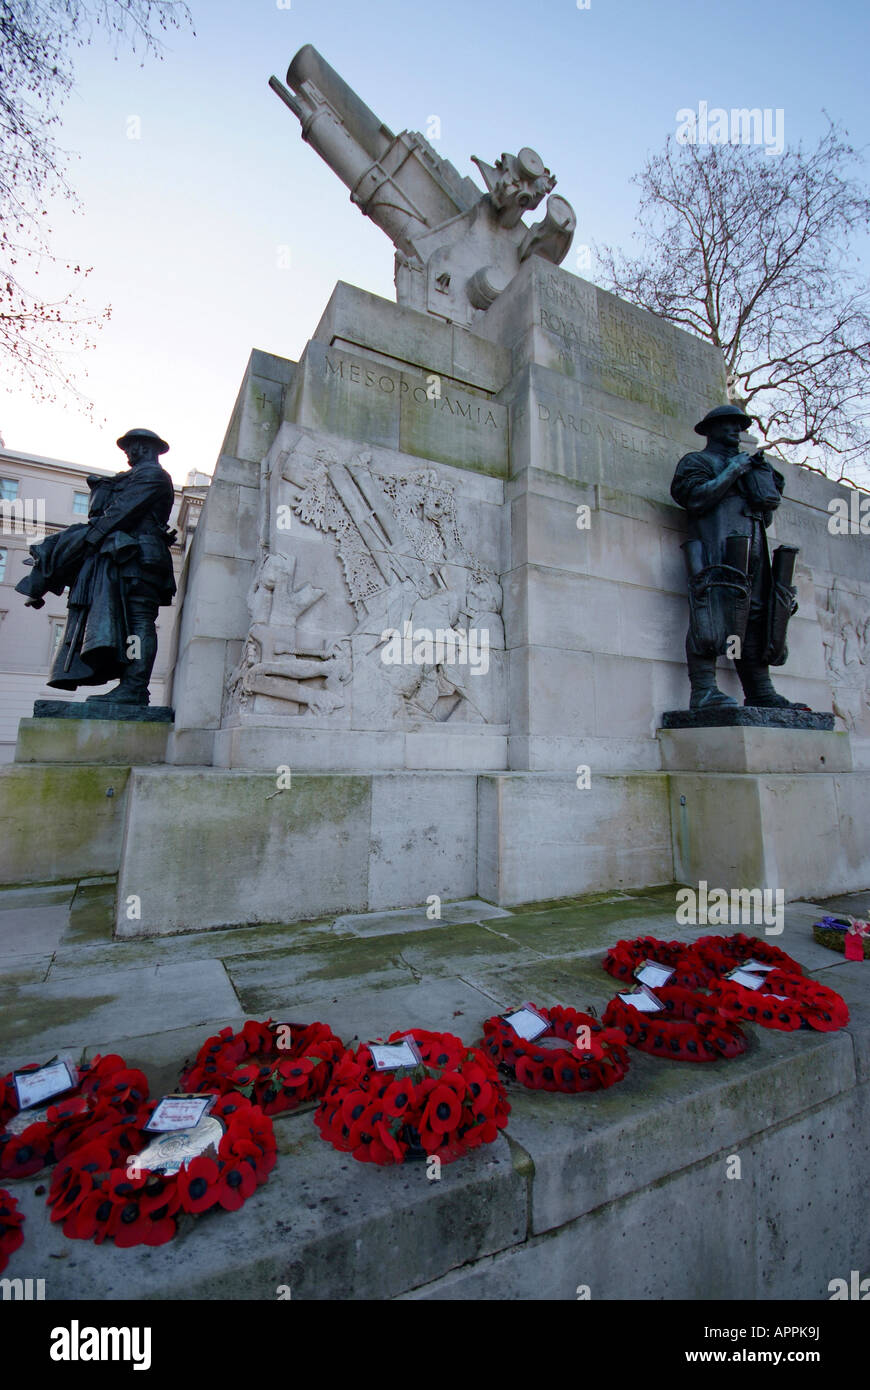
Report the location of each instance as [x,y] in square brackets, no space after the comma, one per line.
[407,572]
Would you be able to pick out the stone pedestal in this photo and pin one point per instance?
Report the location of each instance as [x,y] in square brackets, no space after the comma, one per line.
[97,739]
[767,808]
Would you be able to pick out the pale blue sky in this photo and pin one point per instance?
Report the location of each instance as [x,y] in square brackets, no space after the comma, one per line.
[183,226]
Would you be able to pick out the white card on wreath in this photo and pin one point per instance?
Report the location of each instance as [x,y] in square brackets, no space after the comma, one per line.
[179,1112]
[36,1087]
[527,1023]
[392,1056]
[642,999]
[756,966]
[652,973]
[747,978]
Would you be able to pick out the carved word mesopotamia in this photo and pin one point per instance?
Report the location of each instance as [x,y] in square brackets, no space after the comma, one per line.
[475,412]
[420,646]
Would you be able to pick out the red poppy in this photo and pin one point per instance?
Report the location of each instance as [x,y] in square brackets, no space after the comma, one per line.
[67,1109]
[443,1108]
[258,1037]
[24,1154]
[11,1234]
[261,1163]
[296,1073]
[245,1075]
[237,1181]
[197,1182]
[397,1097]
[158,1193]
[94,1219]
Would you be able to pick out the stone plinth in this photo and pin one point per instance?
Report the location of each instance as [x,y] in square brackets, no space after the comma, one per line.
[800,834]
[753,749]
[95,739]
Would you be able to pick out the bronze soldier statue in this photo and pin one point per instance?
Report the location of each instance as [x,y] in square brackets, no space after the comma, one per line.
[119,571]
[734,590]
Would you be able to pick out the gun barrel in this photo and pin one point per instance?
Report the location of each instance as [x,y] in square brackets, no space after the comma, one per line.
[310,66]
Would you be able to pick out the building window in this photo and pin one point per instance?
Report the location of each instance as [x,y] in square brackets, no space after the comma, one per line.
[80,503]
[2,565]
[58,627]
[8,489]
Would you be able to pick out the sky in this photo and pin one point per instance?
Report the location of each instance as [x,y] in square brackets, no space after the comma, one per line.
[212,229]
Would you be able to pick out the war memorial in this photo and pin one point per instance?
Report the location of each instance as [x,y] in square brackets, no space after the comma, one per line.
[436,740]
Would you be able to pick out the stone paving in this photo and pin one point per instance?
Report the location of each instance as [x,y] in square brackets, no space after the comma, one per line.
[332,1228]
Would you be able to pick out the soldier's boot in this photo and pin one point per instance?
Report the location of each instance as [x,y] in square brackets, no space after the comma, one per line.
[758,688]
[705,692]
[133,689]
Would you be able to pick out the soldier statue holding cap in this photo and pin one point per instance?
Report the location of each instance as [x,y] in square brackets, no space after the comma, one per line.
[735,591]
[119,571]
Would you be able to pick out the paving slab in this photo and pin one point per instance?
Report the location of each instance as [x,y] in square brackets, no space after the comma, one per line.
[91,913]
[852,904]
[28,931]
[237,943]
[37,895]
[417,919]
[582,929]
[335,966]
[441,1005]
[549,982]
[23,970]
[116,1004]
[573,982]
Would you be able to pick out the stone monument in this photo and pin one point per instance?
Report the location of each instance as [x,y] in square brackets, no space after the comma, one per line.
[435,603]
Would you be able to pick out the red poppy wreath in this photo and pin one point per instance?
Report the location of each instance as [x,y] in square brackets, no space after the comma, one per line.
[784,1001]
[690,970]
[277,1065]
[451,1102]
[104,1190]
[691,1028]
[11,1234]
[601,1063]
[722,953]
[107,1092]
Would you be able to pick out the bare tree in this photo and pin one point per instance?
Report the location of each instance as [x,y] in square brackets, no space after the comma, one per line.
[38,42]
[753,252]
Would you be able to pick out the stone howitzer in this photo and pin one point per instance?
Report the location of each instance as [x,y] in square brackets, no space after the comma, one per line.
[456,249]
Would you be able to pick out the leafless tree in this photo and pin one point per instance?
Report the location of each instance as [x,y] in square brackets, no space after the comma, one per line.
[38,43]
[754,253]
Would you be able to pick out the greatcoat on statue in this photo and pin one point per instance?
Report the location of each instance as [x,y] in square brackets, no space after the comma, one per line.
[118,568]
